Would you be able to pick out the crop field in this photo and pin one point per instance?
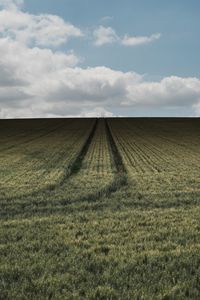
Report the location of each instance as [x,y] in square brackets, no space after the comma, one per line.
[100,208]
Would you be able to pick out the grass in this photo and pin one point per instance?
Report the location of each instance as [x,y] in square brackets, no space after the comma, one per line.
[36,159]
[160,157]
[84,239]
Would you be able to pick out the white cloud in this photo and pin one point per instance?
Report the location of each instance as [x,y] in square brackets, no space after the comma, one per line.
[170,91]
[26,63]
[39,30]
[139,40]
[98,112]
[107,35]
[41,82]
[104,35]
[11,4]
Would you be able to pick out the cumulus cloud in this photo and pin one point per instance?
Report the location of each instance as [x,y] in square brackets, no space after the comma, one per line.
[46,83]
[170,91]
[107,35]
[8,78]
[39,30]
[37,81]
[11,4]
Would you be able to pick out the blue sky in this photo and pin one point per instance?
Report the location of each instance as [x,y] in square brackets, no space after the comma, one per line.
[177,52]
[135,58]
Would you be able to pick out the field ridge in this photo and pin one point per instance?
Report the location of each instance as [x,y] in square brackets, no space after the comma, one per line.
[69,170]
[77,163]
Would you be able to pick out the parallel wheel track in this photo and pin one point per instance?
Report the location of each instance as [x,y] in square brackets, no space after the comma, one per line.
[120,178]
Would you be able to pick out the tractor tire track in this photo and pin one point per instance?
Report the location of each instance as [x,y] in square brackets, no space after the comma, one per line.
[76,165]
[120,177]
[72,168]
[119,180]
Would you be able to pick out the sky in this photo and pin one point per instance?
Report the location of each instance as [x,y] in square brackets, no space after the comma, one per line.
[90,58]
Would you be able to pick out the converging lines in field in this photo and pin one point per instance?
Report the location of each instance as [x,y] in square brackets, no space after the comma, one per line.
[93,168]
[96,172]
[59,162]
[113,197]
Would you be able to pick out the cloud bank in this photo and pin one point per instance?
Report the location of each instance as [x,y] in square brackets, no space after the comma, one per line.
[38,80]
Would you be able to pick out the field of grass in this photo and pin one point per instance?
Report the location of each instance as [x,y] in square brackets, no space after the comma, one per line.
[100,209]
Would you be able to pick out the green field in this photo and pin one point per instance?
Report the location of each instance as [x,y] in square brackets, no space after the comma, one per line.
[100,209]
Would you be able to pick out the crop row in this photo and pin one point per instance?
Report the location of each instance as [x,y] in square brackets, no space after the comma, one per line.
[94,174]
[155,162]
[44,159]
[97,170]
